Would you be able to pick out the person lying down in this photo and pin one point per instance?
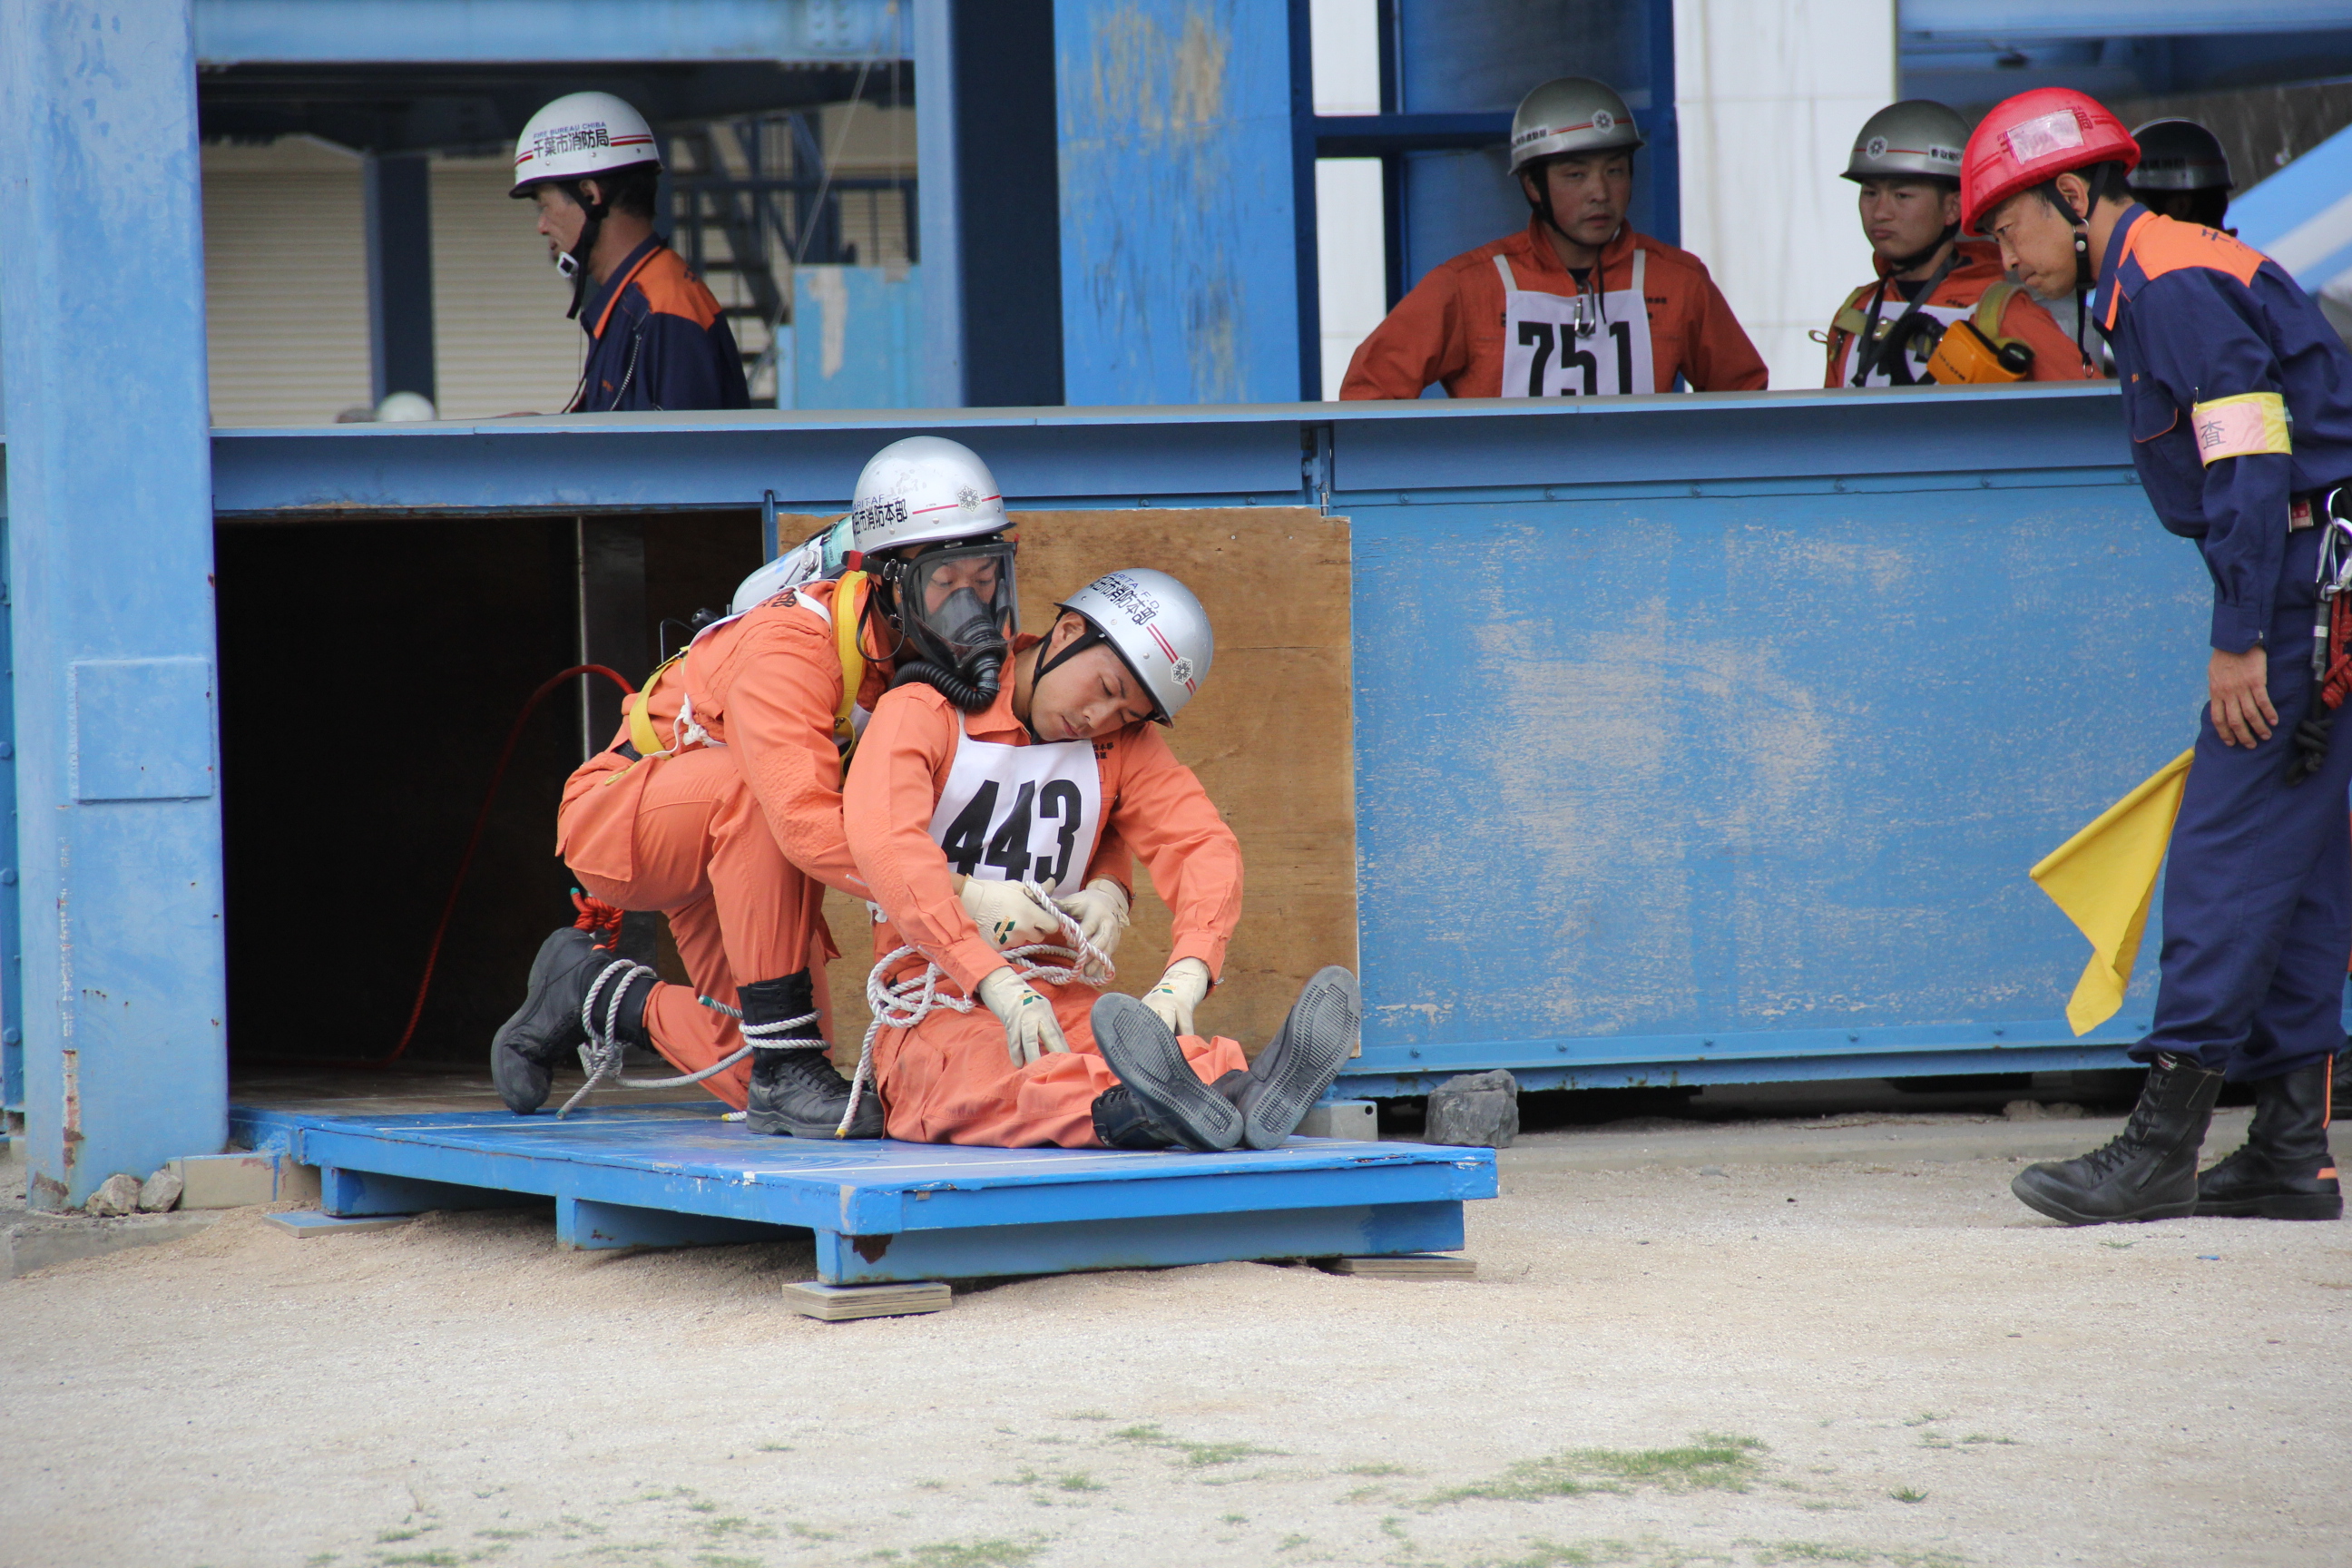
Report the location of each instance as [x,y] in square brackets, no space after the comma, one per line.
[970,827]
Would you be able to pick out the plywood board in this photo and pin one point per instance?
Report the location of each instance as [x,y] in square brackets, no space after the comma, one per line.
[1269,735]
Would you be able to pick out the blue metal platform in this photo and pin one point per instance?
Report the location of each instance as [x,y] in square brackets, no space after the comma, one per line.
[668,1176]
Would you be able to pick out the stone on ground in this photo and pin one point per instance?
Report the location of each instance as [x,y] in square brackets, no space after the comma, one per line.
[160,1191]
[116,1195]
[1474,1111]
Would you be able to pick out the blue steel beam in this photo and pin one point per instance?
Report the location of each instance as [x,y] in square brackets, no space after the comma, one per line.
[447,32]
[1127,457]
[110,553]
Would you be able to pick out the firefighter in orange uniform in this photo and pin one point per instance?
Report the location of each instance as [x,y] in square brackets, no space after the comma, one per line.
[1579,305]
[718,801]
[1021,795]
[1908,163]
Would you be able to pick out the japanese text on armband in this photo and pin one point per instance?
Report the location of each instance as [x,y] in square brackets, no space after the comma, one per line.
[2246,426]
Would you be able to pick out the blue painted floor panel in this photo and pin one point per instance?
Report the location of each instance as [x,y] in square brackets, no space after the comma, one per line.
[673,1174]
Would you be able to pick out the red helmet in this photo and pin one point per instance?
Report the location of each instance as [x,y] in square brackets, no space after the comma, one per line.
[2035,137]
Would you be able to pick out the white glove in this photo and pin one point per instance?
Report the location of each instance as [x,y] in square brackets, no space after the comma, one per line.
[1178,992]
[1030,1030]
[1006,915]
[1100,910]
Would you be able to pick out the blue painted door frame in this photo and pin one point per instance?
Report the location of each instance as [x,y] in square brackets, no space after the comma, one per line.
[109,562]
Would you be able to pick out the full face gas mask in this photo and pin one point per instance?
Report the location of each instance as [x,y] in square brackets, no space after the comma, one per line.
[957,609]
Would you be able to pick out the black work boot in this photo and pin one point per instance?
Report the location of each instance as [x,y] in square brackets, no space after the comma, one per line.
[796,1092]
[1152,1066]
[1122,1122]
[546,1030]
[2285,1171]
[1291,1075]
[2147,1172]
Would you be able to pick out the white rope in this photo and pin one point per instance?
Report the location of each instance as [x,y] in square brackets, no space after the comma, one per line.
[905,1003]
[600,1057]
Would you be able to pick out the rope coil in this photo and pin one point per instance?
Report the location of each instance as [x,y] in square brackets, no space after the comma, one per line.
[899,1004]
[903,1004]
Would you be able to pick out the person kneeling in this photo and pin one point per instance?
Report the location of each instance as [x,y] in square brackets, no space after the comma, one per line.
[962,822]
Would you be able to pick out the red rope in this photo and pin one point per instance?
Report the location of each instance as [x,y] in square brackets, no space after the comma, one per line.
[2339,684]
[466,862]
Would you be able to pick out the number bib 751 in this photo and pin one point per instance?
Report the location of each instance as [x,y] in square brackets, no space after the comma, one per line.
[1576,345]
[1011,813]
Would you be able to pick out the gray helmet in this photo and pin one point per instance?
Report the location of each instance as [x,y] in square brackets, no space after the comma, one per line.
[1571,115]
[1917,139]
[2179,155]
[1158,628]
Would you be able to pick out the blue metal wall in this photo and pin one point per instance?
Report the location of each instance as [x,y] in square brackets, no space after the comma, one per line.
[1695,737]
[1179,260]
[110,561]
[1668,774]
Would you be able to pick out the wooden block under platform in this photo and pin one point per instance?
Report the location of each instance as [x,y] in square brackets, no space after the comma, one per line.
[840,1303]
[1403,1266]
[308,1223]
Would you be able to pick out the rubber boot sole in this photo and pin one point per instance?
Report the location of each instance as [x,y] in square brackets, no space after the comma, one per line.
[2276,1206]
[1151,1064]
[523,1083]
[1317,1038]
[2047,1204]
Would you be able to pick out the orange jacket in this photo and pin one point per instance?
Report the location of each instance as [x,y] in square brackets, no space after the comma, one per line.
[1449,330]
[767,684]
[1151,804]
[2056,358]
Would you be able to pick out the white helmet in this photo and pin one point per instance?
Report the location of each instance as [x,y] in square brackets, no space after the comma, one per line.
[580,136]
[920,490]
[1571,115]
[1156,626]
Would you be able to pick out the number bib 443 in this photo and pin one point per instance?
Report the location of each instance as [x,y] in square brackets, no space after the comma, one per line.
[1010,813]
[1576,345]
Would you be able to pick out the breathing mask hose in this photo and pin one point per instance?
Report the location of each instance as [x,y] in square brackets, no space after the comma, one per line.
[971,696]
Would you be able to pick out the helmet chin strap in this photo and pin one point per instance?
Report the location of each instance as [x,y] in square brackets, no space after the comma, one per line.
[1898,265]
[573,264]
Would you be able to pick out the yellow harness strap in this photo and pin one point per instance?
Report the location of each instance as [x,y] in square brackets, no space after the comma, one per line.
[641,727]
[849,606]
[1850,319]
[1992,307]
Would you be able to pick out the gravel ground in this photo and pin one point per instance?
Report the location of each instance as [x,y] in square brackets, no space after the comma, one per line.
[1868,1363]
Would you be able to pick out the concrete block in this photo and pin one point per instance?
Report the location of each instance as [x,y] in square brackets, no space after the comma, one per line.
[226,1181]
[844,1303]
[303,1224]
[1474,1111]
[1403,1266]
[1354,1118]
[39,1242]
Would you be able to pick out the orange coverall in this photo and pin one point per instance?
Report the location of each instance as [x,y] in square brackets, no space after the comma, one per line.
[949,1078]
[735,838]
[1449,330]
[2055,357]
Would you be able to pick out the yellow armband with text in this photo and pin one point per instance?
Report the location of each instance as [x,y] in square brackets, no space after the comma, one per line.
[2250,424]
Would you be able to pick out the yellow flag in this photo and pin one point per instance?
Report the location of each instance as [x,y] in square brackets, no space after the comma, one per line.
[2103,878]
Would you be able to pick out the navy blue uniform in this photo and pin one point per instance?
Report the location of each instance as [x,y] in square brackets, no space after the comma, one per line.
[656,339]
[2239,397]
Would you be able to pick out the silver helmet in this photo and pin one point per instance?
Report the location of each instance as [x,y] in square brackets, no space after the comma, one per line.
[1571,115]
[1156,626]
[1917,139]
[2179,155]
